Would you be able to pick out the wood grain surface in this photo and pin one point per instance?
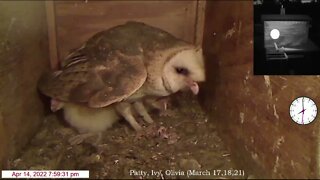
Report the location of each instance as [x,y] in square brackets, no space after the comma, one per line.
[24,57]
[76,21]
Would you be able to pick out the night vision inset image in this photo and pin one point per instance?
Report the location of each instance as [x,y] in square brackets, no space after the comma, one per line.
[286,37]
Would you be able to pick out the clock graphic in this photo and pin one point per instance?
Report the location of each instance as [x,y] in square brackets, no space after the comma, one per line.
[303,110]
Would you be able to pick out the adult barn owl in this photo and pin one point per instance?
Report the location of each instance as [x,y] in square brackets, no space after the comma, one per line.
[115,70]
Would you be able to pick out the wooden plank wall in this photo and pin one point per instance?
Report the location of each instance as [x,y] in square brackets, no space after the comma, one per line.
[23,58]
[252,112]
[76,21]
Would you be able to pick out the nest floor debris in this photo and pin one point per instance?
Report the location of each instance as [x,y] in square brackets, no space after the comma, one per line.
[181,139]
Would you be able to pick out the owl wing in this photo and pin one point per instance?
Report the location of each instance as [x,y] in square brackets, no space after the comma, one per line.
[94,82]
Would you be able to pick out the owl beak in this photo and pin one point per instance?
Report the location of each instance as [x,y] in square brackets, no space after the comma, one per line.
[56,105]
[194,87]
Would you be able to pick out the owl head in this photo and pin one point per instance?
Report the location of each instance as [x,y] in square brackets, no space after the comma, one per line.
[184,69]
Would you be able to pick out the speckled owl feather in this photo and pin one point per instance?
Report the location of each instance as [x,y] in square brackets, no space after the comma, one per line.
[110,66]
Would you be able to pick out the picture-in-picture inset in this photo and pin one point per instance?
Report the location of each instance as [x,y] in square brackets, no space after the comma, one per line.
[286,37]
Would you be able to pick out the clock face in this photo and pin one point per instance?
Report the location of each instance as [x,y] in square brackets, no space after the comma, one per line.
[303,110]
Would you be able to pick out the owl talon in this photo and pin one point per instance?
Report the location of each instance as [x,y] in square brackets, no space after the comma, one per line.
[137,127]
[78,139]
[125,110]
[143,112]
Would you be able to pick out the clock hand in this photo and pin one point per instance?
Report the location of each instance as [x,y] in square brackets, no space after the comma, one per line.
[302,104]
[302,110]
[302,116]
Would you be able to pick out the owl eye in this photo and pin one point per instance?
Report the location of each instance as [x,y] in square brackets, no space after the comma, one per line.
[182,71]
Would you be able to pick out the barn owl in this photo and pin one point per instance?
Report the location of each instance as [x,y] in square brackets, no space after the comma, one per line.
[111,74]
